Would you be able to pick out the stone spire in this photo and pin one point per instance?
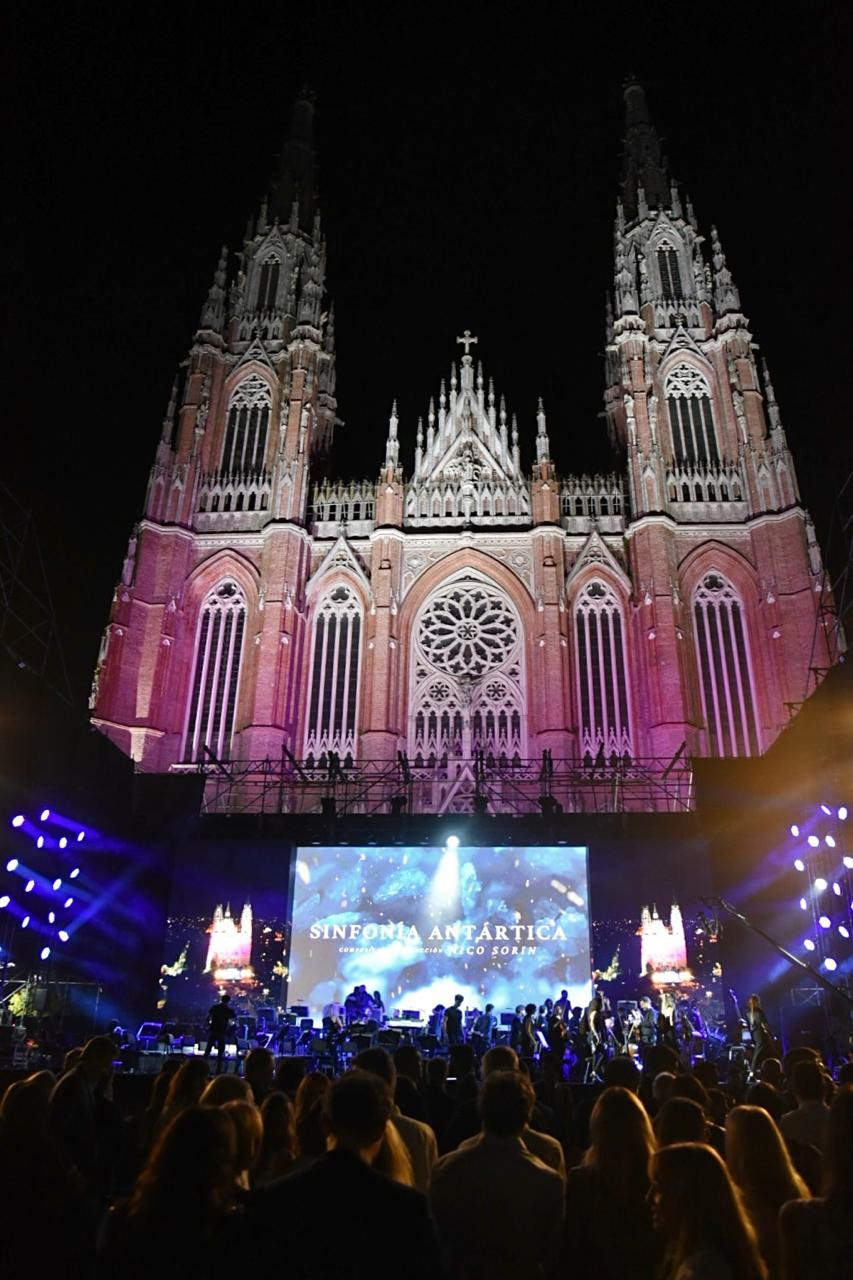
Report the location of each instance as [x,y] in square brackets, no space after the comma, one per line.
[726,296]
[392,444]
[645,178]
[296,181]
[543,446]
[213,311]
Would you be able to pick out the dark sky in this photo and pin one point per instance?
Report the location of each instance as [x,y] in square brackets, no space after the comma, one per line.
[469,157]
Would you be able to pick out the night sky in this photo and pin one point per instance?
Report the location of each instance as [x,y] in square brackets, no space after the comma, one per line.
[468,159]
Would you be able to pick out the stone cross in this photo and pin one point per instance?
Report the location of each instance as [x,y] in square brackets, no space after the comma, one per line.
[466,340]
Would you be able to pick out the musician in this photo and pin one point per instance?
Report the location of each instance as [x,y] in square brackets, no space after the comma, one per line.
[762,1036]
[453,1022]
[515,1028]
[562,1007]
[648,1025]
[483,1032]
[528,1032]
[666,1021]
[594,1030]
[378,1007]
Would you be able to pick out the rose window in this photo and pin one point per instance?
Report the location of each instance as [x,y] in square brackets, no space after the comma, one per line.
[468,631]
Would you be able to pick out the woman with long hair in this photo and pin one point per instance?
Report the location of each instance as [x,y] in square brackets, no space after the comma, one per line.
[249,1134]
[278,1147]
[182,1201]
[761,1168]
[680,1120]
[698,1212]
[393,1158]
[311,1087]
[185,1089]
[611,1185]
[817,1235]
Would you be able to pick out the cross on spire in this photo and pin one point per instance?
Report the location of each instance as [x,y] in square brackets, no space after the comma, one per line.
[467,340]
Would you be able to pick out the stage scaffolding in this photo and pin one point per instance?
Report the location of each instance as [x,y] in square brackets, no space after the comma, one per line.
[475,786]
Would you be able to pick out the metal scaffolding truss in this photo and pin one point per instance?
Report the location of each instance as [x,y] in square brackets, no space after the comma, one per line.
[543,786]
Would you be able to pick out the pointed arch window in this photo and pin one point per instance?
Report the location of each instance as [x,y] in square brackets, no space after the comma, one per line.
[602,675]
[333,697]
[670,274]
[725,669]
[268,277]
[691,421]
[216,674]
[246,428]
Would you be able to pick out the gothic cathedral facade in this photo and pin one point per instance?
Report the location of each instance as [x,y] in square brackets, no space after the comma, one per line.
[468,607]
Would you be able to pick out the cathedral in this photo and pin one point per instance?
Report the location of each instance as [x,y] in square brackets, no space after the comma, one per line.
[465,614]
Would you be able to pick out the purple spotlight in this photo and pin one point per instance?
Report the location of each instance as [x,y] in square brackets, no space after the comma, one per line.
[844,931]
[808,944]
[799,864]
[57,884]
[824,922]
[813,841]
[63,841]
[836,889]
[12,864]
[4,901]
[81,835]
[29,886]
[51,917]
[830,964]
[795,830]
[25,922]
[848,862]
[63,935]
[803,904]
[72,875]
[68,902]
[830,840]
[826,810]
[40,842]
[44,815]
[18,820]
[820,884]
[45,952]
[842,813]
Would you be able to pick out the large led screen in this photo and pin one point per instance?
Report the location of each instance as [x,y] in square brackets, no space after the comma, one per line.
[498,925]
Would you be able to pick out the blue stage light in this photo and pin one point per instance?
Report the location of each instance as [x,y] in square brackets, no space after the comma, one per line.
[844,931]
[799,864]
[72,875]
[68,902]
[12,864]
[842,813]
[820,884]
[808,944]
[18,820]
[813,841]
[830,964]
[63,935]
[81,835]
[830,840]
[795,830]
[45,952]
[452,842]
[826,810]
[824,922]
[63,841]
[57,884]
[40,842]
[25,922]
[5,900]
[803,904]
[848,862]
[836,889]
[51,917]
[29,886]
[44,815]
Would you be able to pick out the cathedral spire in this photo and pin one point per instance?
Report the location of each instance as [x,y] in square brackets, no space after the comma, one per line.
[296,181]
[543,446]
[645,178]
[392,444]
[726,295]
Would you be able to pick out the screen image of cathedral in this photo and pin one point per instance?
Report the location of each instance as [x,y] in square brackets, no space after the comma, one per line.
[464,606]
[226,931]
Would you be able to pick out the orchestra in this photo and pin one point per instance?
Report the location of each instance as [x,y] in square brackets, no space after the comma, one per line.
[584,1040]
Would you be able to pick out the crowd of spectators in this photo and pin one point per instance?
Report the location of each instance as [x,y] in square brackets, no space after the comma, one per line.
[489,1175]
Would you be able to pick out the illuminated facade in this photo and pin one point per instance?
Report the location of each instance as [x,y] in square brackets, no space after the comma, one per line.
[469,604]
[663,947]
[229,952]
